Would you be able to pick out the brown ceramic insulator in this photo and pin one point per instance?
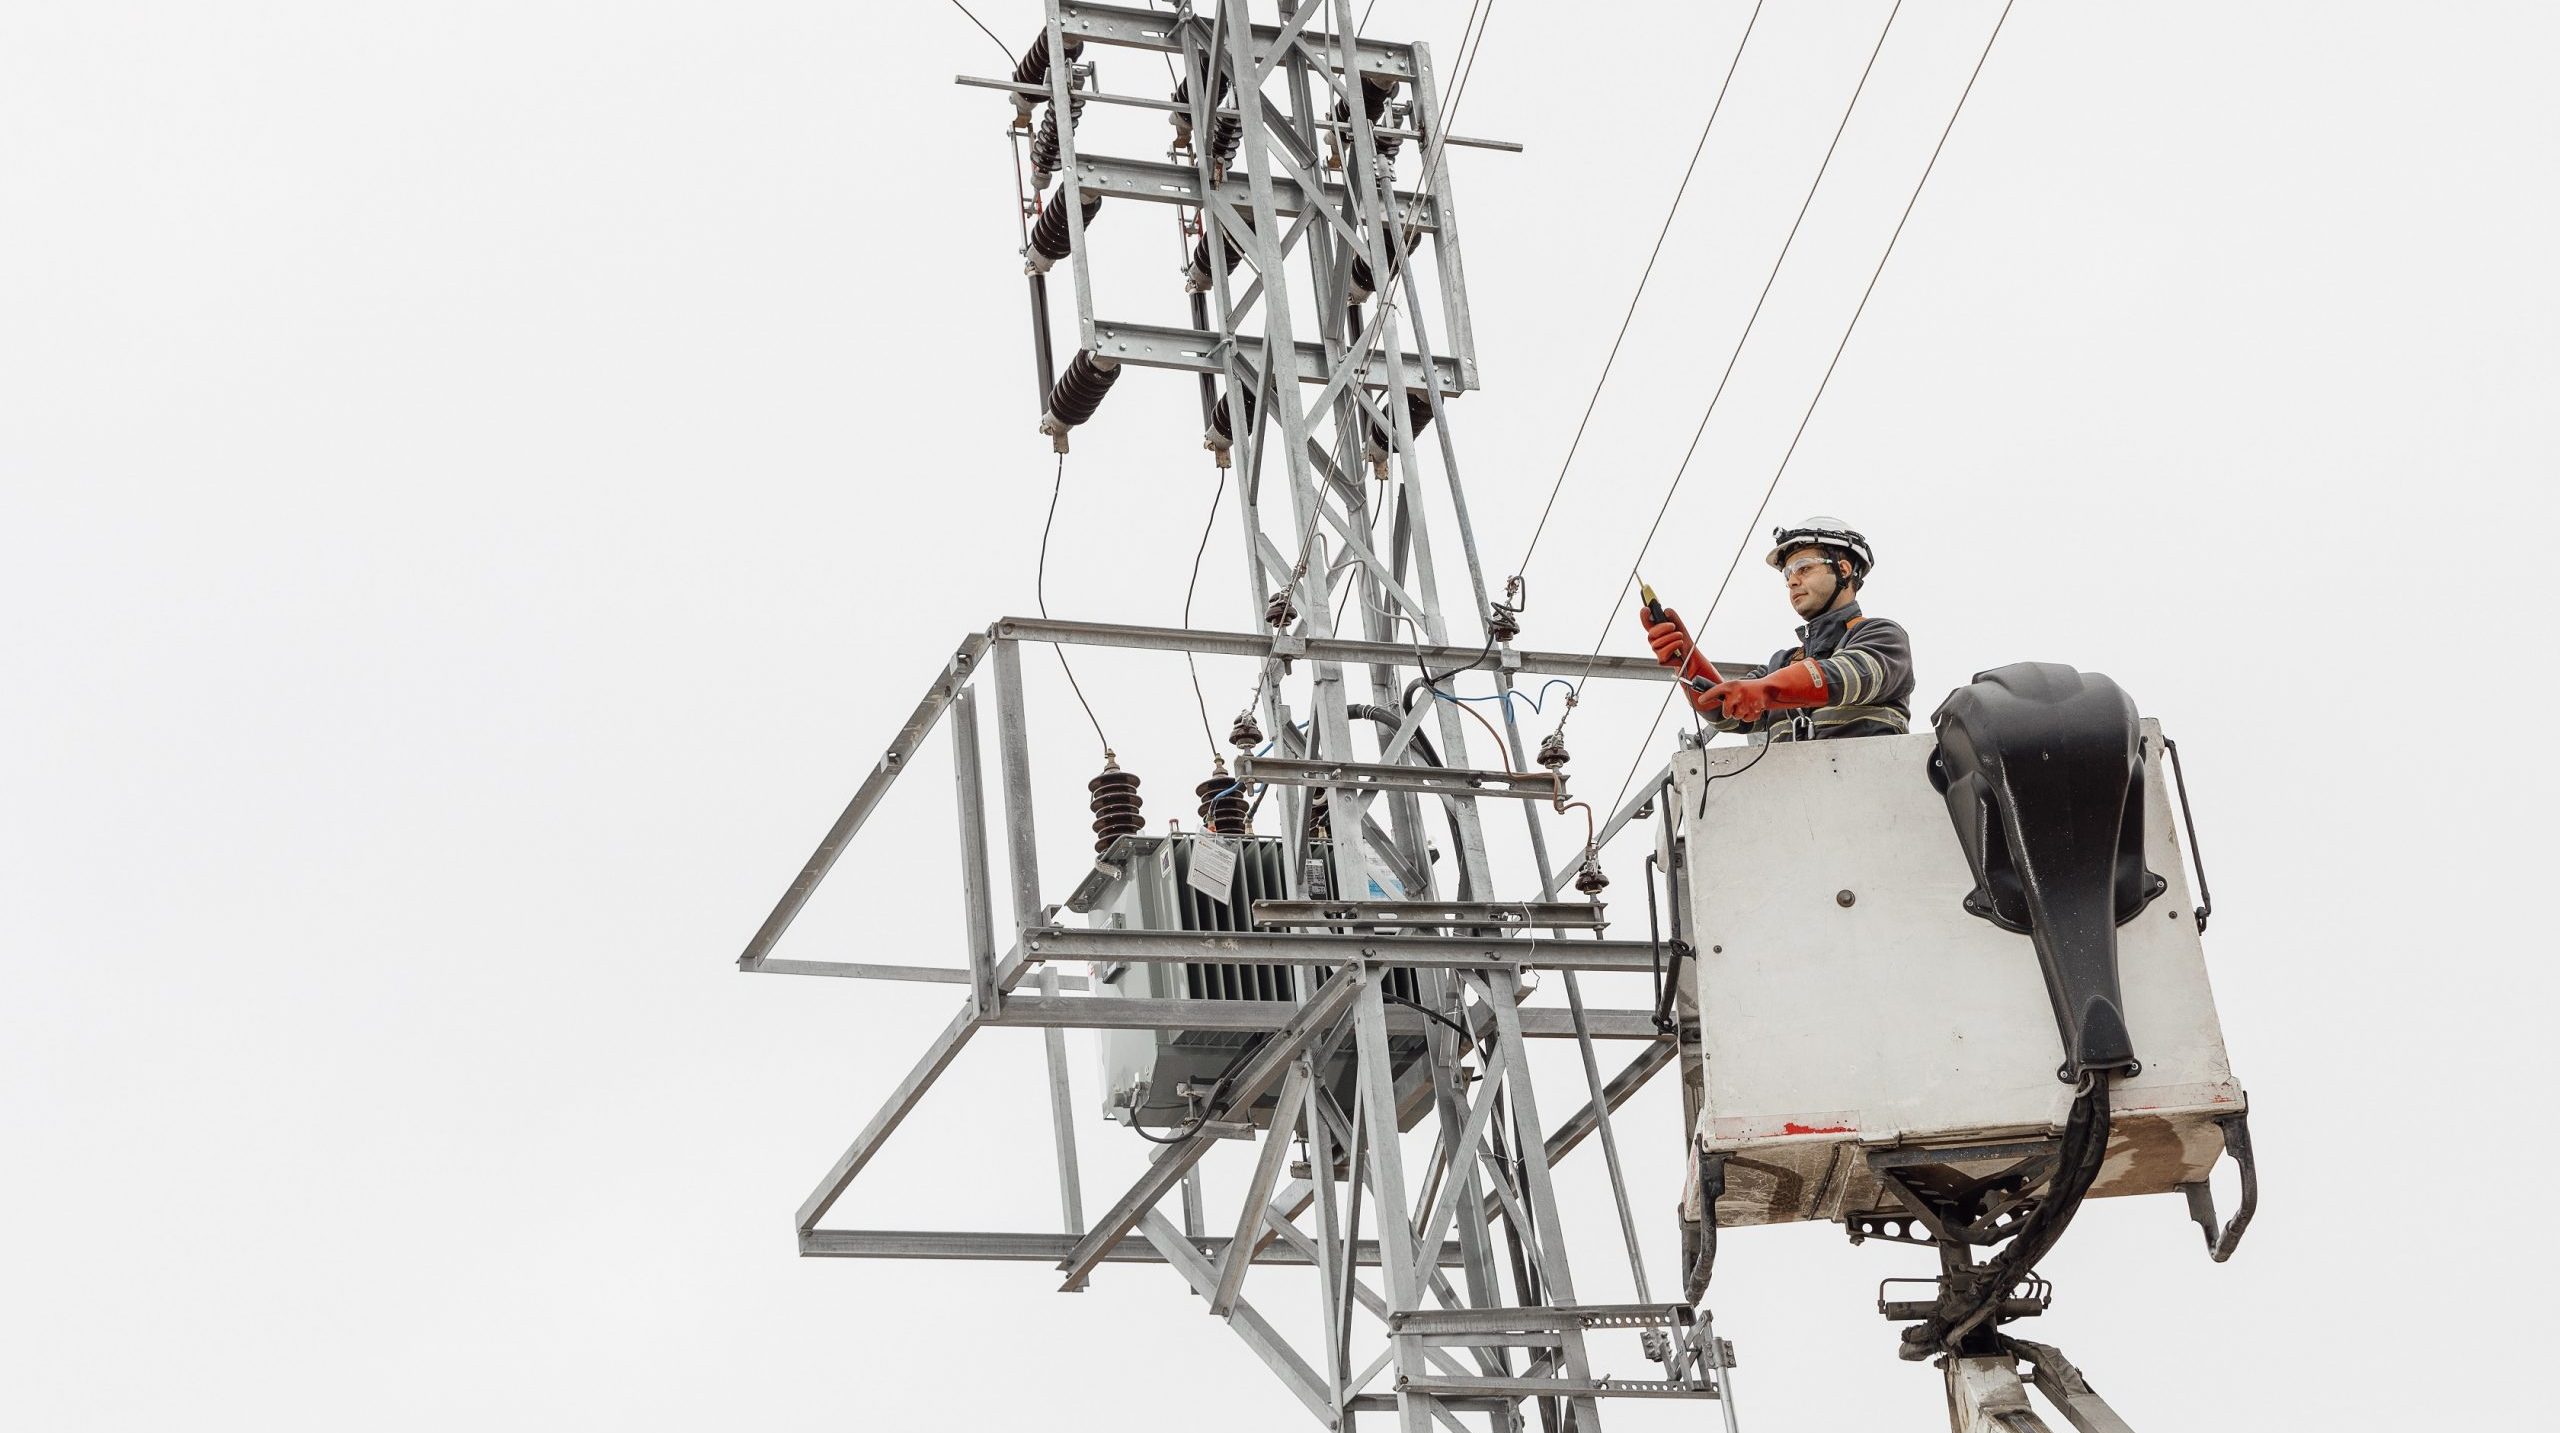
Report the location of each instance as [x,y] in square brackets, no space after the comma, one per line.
[1196,273]
[1551,752]
[1246,734]
[1364,279]
[1281,610]
[1116,806]
[1417,409]
[1591,880]
[1224,810]
[1374,94]
[1045,149]
[1049,237]
[1222,422]
[1081,389]
[1033,67]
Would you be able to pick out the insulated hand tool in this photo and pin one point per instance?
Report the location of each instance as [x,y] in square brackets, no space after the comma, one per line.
[1673,648]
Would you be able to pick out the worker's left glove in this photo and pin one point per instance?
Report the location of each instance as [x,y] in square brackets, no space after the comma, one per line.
[1797,684]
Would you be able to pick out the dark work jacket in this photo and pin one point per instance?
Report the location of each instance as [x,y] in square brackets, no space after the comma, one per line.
[1866,662]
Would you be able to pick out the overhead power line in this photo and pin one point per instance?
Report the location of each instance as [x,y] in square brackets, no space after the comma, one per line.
[1734,358]
[1832,367]
[1870,291]
[1642,280]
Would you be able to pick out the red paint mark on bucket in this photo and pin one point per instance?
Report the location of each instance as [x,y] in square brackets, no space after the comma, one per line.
[1791,1127]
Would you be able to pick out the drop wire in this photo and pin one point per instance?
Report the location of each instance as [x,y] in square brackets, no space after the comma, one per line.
[982,25]
[1191,592]
[1040,594]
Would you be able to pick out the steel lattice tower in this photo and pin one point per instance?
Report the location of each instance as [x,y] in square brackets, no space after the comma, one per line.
[1331,357]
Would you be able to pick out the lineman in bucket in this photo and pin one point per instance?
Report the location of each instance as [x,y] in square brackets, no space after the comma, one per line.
[1848,675]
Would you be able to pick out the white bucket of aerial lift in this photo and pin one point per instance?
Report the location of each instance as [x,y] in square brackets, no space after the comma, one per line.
[1847,1001]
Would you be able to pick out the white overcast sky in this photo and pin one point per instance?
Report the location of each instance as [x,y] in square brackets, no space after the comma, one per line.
[480,482]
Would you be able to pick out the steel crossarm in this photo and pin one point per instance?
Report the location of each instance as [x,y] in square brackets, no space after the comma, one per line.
[1141,29]
[1209,642]
[1103,1012]
[1019,1247]
[1420,952]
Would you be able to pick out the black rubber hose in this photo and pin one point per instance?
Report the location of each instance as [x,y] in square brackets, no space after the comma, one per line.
[1389,717]
[2084,1153]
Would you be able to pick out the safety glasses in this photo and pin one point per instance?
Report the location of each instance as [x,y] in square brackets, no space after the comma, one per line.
[1806,563]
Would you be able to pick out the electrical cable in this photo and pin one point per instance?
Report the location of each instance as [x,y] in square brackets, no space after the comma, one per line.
[1193,591]
[1208,1106]
[1040,594]
[1843,346]
[1392,998]
[1749,324]
[1391,719]
[1536,703]
[982,26]
[2083,1154]
[1466,65]
[1729,775]
[1642,280]
[1829,369]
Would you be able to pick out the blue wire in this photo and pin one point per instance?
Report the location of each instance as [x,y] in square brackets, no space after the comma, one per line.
[1266,746]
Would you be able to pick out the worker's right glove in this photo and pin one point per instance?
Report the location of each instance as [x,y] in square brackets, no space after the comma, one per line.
[1793,686]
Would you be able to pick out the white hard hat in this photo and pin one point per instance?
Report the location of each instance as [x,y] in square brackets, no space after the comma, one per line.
[1824,532]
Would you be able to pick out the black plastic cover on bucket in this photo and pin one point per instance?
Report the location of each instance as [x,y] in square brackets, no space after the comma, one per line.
[2043,770]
